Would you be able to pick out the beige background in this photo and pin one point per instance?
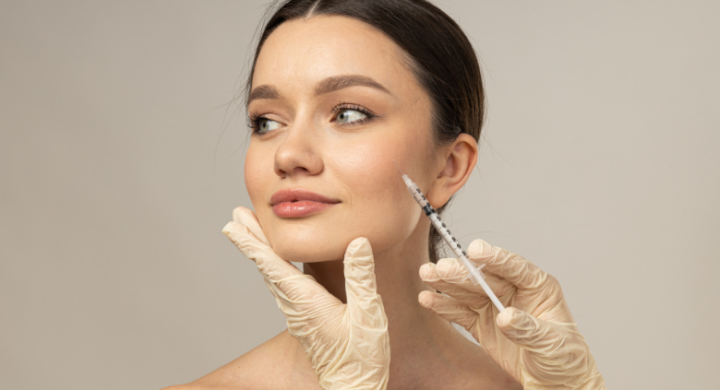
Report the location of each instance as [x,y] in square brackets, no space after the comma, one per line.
[120,163]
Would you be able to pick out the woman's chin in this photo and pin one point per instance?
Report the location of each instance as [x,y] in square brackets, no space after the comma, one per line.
[308,254]
[307,243]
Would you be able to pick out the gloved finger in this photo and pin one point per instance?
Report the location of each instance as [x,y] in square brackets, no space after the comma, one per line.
[429,275]
[505,264]
[450,309]
[245,216]
[453,271]
[364,303]
[268,262]
[292,284]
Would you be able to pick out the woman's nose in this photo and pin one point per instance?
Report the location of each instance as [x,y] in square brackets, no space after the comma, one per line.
[299,153]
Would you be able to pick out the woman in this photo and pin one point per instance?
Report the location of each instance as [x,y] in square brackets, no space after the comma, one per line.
[338,91]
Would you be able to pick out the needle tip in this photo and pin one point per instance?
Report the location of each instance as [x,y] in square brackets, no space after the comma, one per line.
[398,167]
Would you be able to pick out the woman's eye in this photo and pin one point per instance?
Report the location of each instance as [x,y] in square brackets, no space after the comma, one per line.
[348,116]
[264,125]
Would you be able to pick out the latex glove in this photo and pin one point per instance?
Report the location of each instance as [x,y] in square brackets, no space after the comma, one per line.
[348,344]
[535,339]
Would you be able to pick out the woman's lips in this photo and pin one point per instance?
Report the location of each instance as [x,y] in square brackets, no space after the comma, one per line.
[299,202]
[299,209]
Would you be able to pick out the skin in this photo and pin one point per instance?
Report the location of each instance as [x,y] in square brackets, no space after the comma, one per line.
[307,147]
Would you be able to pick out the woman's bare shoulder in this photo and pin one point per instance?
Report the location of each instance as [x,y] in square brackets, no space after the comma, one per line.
[279,363]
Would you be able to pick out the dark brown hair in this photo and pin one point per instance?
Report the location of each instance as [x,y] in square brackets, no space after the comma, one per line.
[439,54]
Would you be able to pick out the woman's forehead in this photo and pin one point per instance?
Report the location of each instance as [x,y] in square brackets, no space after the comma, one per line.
[302,52]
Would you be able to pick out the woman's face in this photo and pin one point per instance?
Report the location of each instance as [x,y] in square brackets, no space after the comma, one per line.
[334,103]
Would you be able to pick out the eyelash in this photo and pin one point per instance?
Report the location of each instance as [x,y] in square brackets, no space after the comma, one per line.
[349,106]
[254,119]
[252,122]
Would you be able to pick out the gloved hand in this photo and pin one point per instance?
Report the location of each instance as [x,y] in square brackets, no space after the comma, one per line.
[348,344]
[535,339]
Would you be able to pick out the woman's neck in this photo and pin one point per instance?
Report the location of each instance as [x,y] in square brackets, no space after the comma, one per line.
[418,338]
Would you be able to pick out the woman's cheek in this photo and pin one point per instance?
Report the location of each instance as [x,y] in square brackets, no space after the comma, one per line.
[388,228]
[382,209]
[255,181]
[258,184]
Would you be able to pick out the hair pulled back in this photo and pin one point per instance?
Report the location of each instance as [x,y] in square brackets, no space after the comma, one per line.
[439,54]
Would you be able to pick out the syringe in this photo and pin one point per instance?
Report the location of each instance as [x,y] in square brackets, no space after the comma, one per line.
[474,273]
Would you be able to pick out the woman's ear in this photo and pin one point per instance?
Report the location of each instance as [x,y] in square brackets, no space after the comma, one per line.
[459,160]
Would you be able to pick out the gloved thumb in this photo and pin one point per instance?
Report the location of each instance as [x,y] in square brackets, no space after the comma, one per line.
[364,304]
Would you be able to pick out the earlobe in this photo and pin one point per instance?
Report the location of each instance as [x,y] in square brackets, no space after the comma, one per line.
[459,160]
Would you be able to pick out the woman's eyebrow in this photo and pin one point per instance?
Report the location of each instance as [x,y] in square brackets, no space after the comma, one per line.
[335,83]
[263,92]
[327,85]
